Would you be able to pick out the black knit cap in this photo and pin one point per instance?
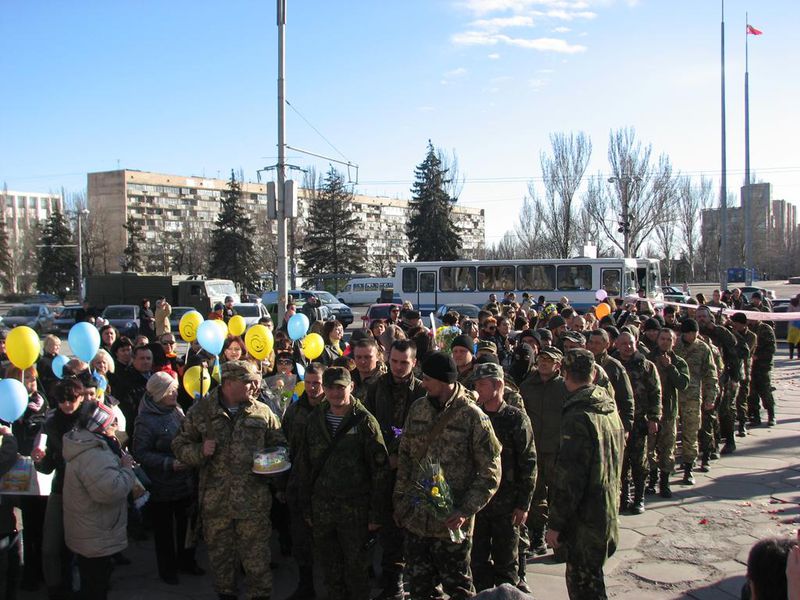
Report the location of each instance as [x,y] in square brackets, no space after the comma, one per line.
[652,324]
[464,341]
[556,321]
[689,326]
[440,366]
[740,318]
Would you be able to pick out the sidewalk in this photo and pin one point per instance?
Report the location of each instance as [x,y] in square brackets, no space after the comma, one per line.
[694,545]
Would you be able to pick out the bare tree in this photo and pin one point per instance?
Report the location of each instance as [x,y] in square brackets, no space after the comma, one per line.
[692,200]
[191,248]
[455,185]
[505,249]
[664,245]
[529,239]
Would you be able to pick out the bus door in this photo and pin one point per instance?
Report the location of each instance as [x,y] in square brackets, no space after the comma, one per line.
[611,281]
[427,291]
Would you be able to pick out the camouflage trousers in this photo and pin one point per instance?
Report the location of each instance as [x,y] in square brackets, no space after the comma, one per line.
[761,390]
[340,533]
[727,407]
[635,457]
[709,430]
[585,582]
[537,515]
[234,542]
[661,446]
[742,396]
[495,542]
[689,416]
[430,561]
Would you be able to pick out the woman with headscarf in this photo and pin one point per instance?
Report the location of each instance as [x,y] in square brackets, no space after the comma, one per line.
[172,488]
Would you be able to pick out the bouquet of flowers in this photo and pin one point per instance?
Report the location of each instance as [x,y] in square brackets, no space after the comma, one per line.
[445,335]
[433,493]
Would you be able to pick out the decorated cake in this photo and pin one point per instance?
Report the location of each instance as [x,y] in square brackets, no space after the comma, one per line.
[271,460]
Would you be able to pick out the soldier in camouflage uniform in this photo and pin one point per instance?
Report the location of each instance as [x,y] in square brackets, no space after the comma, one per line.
[702,390]
[761,376]
[744,385]
[368,366]
[462,349]
[598,344]
[674,375]
[294,424]
[544,394]
[389,400]
[343,473]
[496,536]
[647,394]
[448,427]
[219,436]
[733,348]
[585,491]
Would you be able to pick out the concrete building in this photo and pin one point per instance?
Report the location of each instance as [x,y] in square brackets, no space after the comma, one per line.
[24,210]
[775,232]
[171,208]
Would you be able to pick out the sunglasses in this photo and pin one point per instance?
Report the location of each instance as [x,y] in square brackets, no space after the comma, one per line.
[168,343]
[69,400]
[283,361]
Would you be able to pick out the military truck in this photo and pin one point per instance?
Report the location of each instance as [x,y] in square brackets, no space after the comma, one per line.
[181,290]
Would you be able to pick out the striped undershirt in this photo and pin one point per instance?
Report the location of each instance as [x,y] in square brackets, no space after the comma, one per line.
[333,422]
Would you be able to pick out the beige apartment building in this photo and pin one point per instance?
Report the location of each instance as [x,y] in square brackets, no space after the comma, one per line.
[171,207]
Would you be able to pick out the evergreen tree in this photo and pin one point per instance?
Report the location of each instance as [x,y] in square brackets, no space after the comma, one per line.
[332,242]
[6,262]
[58,261]
[432,234]
[133,260]
[233,254]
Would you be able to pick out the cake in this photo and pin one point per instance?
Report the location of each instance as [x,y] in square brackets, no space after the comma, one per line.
[271,460]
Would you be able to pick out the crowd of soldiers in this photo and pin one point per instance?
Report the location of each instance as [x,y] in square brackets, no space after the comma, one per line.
[539,437]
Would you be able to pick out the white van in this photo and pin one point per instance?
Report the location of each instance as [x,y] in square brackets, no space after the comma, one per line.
[364,290]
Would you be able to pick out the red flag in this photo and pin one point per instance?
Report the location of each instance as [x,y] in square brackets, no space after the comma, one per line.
[753,31]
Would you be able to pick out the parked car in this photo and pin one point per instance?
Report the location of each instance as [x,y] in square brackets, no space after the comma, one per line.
[38,317]
[175,317]
[270,300]
[465,310]
[375,312]
[125,317]
[41,298]
[251,312]
[747,291]
[338,309]
[673,294]
[65,318]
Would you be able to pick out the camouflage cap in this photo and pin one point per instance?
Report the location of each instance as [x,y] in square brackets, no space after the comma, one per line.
[336,376]
[486,346]
[552,353]
[488,371]
[575,336]
[240,370]
[578,359]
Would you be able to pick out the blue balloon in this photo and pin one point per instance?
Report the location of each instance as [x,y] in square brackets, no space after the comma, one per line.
[84,340]
[210,337]
[301,371]
[58,365]
[13,400]
[297,326]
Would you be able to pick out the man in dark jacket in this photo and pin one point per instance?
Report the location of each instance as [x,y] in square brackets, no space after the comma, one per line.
[9,536]
[598,344]
[132,385]
[761,380]
[585,490]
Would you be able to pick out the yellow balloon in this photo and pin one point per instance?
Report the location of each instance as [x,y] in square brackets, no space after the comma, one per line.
[259,341]
[196,381]
[313,345]
[237,325]
[300,388]
[188,325]
[22,347]
[222,326]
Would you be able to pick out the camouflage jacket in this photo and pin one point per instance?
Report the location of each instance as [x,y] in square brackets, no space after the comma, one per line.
[511,395]
[623,392]
[294,423]
[544,402]
[674,379]
[355,471]
[361,386]
[646,387]
[228,487]
[518,459]
[765,345]
[732,347]
[467,450]
[703,379]
[750,339]
[389,404]
[584,495]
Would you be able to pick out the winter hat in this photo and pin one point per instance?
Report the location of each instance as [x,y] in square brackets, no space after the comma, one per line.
[160,384]
[101,418]
[689,326]
[464,341]
[440,366]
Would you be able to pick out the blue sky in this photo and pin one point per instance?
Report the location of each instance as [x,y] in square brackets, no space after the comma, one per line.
[189,88]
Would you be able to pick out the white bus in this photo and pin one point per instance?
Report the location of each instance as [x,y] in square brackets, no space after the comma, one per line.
[364,290]
[429,285]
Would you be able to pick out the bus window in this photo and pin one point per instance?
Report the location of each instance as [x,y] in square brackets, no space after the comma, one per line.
[536,277]
[427,281]
[577,277]
[641,279]
[496,278]
[610,281]
[457,279]
[348,288]
[654,279]
[409,280]
[358,287]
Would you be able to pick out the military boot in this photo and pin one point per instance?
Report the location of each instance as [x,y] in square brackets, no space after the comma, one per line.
[305,586]
[730,445]
[755,418]
[637,507]
[663,485]
[651,482]
[704,460]
[538,547]
[742,429]
[771,422]
[624,495]
[688,478]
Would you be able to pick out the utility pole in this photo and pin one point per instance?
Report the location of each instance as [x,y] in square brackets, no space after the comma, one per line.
[624,182]
[723,180]
[283,289]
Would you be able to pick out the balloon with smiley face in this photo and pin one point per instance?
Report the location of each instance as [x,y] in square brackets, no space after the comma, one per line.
[258,340]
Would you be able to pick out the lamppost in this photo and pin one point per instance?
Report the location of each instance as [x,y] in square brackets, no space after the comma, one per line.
[624,181]
[81,213]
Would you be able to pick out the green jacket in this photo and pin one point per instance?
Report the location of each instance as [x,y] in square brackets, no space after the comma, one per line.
[765,346]
[467,450]
[544,402]
[228,487]
[703,379]
[732,347]
[355,471]
[646,387]
[674,379]
[389,403]
[584,495]
[623,392]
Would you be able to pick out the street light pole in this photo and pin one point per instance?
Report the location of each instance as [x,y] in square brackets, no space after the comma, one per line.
[624,182]
[81,213]
[283,291]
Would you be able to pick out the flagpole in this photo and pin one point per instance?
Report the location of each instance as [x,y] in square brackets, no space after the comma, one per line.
[723,182]
[746,197]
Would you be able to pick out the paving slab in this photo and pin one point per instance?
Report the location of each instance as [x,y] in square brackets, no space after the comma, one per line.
[668,572]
